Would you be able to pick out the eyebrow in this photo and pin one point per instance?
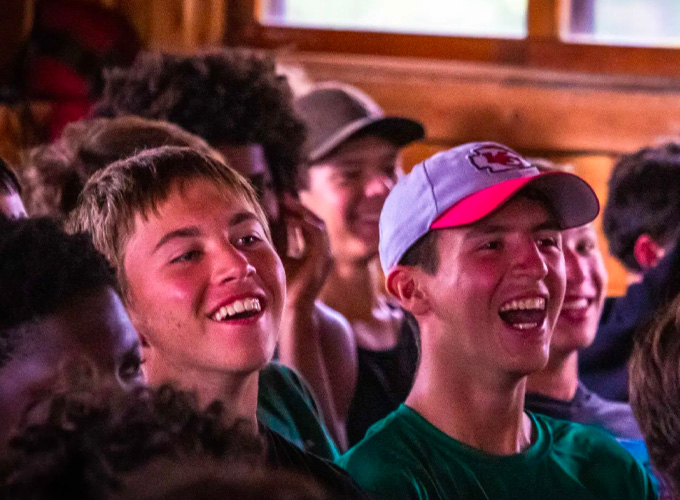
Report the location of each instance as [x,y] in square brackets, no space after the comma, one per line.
[184,232]
[243,217]
[549,225]
[358,158]
[194,231]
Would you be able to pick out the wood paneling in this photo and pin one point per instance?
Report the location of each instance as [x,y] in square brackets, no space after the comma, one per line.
[531,109]
[176,25]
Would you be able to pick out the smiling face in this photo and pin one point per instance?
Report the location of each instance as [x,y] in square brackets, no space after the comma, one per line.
[94,327]
[586,286]
[206,288]
[498,290]
[347,191]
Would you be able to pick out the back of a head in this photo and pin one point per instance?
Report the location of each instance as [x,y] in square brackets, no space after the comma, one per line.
[191,479]
[82,442]
[41,268]
[227,97]
[655,391]
[644,198]
[56,173]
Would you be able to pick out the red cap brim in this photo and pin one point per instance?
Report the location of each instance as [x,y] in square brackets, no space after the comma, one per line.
[573,200]
[480,204]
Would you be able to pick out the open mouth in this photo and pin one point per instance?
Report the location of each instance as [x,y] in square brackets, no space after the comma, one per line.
[238,309]
[576,308]
[524,314]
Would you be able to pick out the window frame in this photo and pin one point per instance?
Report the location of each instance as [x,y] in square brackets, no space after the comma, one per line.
[542,47]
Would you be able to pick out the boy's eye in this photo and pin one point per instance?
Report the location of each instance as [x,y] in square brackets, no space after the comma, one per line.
[186,257]
[350,174]
[131,368]
[492,245]
[549,241]
[248,240]
[585,247]
[390,171]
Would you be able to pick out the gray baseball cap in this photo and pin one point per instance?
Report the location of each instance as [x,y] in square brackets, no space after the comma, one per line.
[336,112]
[465,184]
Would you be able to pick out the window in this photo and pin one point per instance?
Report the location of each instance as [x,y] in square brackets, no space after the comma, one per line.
[626,22]
[635,37]
[502,18]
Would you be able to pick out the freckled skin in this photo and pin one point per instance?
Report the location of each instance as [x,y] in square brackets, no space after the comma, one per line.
[175,288]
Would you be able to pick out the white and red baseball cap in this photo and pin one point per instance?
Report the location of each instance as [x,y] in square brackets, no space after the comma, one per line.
[465,184]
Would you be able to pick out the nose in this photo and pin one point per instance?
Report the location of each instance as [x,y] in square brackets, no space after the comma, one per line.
[574,269]
[229,263]
[528,260]
[378,184]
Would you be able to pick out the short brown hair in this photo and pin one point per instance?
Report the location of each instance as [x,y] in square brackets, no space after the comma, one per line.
[423,253]
[56,173]
[655,391]
[114,196]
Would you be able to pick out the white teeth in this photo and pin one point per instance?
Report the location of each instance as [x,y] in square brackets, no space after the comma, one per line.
[236,307]
[525,326]
[524,304]
[575,304]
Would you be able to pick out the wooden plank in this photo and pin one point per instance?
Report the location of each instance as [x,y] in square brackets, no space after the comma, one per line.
[543,18]
[528,109]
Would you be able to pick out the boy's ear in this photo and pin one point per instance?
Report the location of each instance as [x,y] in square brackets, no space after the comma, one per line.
[403,283]
[647,252]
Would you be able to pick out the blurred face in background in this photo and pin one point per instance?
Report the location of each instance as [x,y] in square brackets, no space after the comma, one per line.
[347,190]
[586,287]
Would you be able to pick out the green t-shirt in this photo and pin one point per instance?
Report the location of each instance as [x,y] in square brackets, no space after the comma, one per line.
[286,405]
[405,457]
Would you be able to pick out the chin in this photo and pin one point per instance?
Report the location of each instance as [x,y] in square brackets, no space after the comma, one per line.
[528,364]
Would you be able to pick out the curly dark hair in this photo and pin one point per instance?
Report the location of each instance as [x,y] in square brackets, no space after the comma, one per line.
[655,391]
[644,197]
[80,443]
[227,97]
[9,184]
[41,268]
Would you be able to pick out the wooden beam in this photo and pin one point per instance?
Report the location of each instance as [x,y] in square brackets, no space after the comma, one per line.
[543,19]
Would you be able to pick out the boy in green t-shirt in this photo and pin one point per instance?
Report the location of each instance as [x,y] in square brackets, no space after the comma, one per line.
[470,244]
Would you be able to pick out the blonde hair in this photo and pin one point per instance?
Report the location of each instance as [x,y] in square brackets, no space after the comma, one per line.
[137,185]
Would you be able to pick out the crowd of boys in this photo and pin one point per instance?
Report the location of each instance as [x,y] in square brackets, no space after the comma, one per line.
[200,313]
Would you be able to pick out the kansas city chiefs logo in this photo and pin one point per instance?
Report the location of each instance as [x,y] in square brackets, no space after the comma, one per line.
[496,159]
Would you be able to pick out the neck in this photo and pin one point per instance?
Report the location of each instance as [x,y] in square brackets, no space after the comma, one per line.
[559,379]
[239,392]
[352,288]
[478,408]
